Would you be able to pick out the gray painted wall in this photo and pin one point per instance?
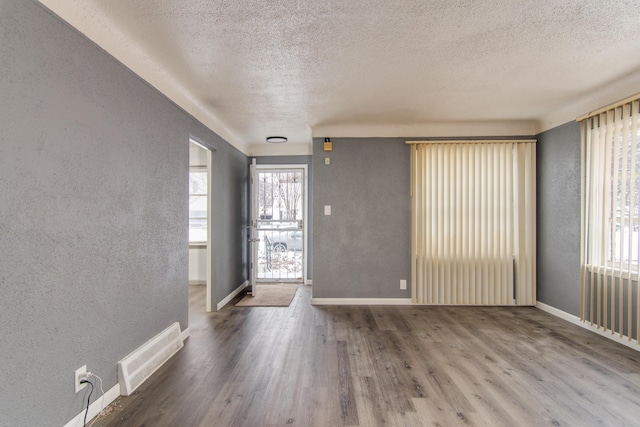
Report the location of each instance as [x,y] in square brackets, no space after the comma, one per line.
[558,242]
[230,218]
[93,214]
[298,160]
[363,249]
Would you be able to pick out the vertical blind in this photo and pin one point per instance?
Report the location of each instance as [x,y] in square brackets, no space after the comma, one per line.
[611,218]
[473,222]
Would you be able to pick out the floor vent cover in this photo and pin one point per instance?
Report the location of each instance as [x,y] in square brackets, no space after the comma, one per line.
[134,369]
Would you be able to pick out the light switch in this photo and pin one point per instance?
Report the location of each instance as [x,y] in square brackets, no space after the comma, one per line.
[327,160]
[327,209]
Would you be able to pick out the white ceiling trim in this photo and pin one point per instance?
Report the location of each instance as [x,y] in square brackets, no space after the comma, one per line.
[597,99]
[431,129]
[285,149]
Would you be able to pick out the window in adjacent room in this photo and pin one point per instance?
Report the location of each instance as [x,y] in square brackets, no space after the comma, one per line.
[198,205]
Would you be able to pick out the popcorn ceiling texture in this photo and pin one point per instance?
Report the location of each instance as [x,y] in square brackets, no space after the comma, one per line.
[93,214]
[364,68]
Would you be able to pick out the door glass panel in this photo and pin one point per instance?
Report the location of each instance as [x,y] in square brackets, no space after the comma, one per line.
[280,225]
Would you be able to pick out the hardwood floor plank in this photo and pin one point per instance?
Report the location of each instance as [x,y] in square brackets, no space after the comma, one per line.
[348,408]
[385,366]
[369,401]
[359,357]
[386,375]
[433,412]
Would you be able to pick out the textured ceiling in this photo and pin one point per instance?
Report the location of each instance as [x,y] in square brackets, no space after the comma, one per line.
[250,69]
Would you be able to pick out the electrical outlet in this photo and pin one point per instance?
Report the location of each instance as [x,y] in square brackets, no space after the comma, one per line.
[81,374]
[403,284]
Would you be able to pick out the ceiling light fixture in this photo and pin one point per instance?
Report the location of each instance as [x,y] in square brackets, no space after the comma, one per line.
[276,139]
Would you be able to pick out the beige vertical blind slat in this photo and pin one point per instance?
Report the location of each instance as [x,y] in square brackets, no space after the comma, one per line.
[445,217]
[620,186]
[634,269]
[530,201]
[473,222]
[589,219]
[477,253]
[629,170]
[414,236]
[432,238]
[457,267]
[583,220]
[510,225]
[605,231]
[466,228]
[484,261]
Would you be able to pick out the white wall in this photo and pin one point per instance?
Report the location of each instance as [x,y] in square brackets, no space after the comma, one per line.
[197,265]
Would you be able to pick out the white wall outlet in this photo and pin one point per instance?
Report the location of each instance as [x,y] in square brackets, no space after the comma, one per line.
[327,160]
[403,284]
[327,209]
[81,374]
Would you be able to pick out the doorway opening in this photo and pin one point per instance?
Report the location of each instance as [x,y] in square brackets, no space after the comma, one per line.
[200,272]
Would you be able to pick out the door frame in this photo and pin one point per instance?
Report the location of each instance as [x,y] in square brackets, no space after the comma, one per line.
[210,250]
[305,207]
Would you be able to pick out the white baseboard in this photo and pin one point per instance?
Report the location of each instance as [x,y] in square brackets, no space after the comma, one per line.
[197,282]
[361,301]
[232,295]
[586,325]
[109,396]
[308,282]
[96,407]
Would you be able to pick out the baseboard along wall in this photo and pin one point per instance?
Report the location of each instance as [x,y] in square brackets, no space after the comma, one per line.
[232,295]
[96,407]
[586,325]
[361,301]
[110,395]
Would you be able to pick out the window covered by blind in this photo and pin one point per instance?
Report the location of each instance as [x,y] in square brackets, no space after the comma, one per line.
[473,222]
[611,218]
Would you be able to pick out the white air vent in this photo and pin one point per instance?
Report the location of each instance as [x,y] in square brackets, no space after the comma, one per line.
[134,369]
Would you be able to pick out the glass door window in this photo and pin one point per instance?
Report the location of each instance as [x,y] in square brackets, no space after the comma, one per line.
[280,225]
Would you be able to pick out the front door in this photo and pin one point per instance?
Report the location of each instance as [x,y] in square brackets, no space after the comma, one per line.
[279,249]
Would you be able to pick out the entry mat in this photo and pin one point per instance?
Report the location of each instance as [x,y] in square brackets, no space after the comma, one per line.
[270,296]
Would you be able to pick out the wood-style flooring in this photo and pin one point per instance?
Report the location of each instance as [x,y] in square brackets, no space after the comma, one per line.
[386,366]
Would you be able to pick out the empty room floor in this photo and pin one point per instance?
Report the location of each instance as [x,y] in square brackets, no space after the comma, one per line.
[385,366]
